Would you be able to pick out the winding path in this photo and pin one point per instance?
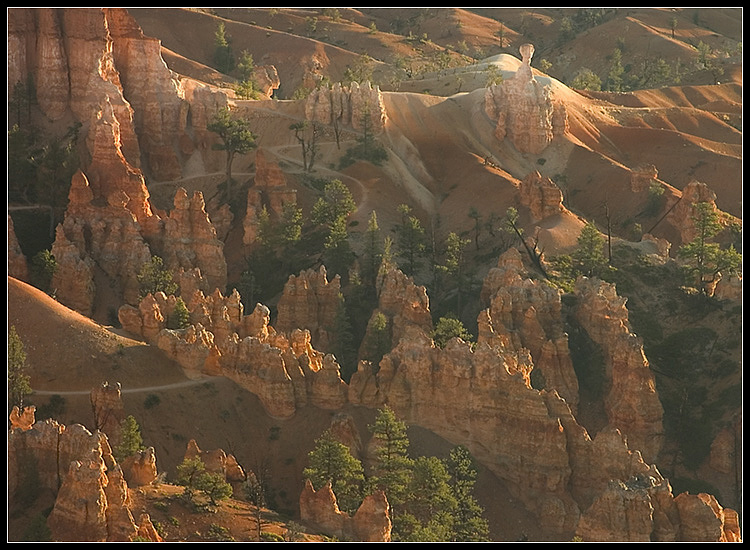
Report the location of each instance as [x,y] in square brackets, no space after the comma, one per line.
[174,385]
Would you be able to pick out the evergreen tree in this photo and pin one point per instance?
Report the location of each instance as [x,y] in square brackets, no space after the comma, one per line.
[180,316]
[447,328]
[378,341]
[453,266]
[223,55]
[373,250]
[337,202]
[154,277]
[469,525]
[343,341]
[43,267]
[392,469]
[19,384]
[707,260]
[590,252]
[429,509]
[214,486]
[331,462]
[410,241]
[236,138]
[131,440]
[188,472]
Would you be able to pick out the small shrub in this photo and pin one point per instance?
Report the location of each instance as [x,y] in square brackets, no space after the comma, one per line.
[152,400]
[271,537]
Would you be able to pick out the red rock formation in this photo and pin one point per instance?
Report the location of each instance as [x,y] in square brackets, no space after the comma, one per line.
[370,523]
[104,236]
[454,392]
[681,215]
[525,314]
[159,109]
[216,461]
[341,106]
[523,110]
[541,196]
[18,266]
[190,240]
[139,469]
[109,411]
[702,519]
[311,302]
[631,400]
[22,419]
[403,303]
[92,502]
[642,177]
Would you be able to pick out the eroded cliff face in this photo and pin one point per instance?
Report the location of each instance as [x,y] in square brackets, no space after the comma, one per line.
[92,502]
[351,106]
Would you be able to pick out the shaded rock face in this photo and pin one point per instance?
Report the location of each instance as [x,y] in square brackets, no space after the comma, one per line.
[340,106]
[370,523]
[270,191]
[92,502]
[523,110]
[139,469]
[18,266]
[631,400]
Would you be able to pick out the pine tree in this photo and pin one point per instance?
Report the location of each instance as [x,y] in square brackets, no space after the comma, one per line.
[154,277]
[429,509]
[131,440]
[707,260]
[331,462]
[19,384]
[236,139]
[469,525]
[180,316]
[373,252]
[590,252]
[392,469]
[410,240]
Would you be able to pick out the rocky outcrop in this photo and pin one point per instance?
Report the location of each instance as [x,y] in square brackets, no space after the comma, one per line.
[341,106]
[702,519]
[139,469]
[190,241]
[92,502]
[266,79]
[284,370]
[310,302]
[155,95]
[526,314]
[642,177]
[455,393]
[109,411]
[80,59]
[22,419]
[18,266]
[97,237]
[523,110]
[403,304]
[631,401]
[681,215]
[541,196]
[216,462]
[370,523]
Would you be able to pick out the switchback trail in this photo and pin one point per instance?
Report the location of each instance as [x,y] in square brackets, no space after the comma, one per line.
[175,385]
